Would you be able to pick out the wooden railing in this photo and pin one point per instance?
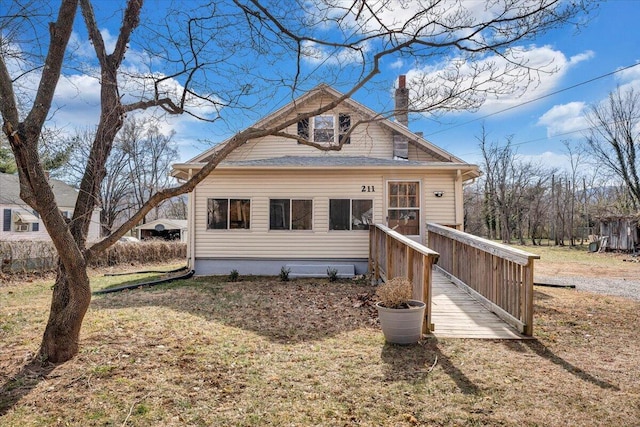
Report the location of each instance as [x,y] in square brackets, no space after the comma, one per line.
[393,255]
[499,276]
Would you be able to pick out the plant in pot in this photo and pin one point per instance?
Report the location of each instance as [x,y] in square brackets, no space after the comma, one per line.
[400,316]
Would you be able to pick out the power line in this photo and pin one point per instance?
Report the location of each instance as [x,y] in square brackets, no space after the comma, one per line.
[538,98]
[548,138]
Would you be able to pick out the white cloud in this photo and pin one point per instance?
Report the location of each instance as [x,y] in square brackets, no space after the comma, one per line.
[549,159]
[630,74]
[584,56]
[570,117]
[561,119]
[321,55]
[493,81]
[398,63]
[109,40]
[395,15]
[629,79]
[79,47]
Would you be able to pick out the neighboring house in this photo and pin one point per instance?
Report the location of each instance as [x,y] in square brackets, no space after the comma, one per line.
[163,228]
[274,202]
[21,222]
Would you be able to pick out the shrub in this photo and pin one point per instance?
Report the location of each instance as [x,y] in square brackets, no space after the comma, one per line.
[234,275]
[395,293]
[332,274]
[23,256]
[284,274]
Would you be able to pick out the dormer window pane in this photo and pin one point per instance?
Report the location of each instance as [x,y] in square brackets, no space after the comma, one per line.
[323,129]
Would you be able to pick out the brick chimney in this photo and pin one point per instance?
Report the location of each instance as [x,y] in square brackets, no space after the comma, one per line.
[400,142]
[402,102]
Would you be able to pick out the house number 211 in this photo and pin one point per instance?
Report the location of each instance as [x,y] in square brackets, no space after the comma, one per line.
[368,189]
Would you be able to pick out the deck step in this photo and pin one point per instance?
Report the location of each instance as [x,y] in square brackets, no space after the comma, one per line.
[320,270]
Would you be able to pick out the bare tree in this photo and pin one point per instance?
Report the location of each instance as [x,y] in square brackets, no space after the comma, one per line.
[513,191]
[198,65]
[148,154]
[138,166]
[115,190]
[176,208]
[614,140]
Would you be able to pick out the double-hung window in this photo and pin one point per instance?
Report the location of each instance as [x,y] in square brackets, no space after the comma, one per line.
[290,214]
[228,214]
[350,214]
[323,129]
[326,128]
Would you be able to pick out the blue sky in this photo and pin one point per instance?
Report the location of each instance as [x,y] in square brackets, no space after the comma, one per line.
[608,43]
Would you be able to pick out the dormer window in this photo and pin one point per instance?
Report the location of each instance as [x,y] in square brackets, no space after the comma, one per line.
[326,128]
[323,129]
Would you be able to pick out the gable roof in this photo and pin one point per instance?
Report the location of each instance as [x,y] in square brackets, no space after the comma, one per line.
[65,194]
[324,89]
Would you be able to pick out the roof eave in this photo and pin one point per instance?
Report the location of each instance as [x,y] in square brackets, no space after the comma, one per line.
[469,171]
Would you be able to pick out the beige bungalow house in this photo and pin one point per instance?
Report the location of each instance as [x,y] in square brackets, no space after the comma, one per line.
[275,203]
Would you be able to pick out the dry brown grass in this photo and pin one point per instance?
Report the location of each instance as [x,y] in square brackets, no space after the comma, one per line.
[308,352]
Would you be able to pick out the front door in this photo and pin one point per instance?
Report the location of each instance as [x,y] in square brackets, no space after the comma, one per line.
[403,208]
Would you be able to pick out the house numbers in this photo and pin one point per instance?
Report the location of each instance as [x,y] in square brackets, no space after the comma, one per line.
[368,189]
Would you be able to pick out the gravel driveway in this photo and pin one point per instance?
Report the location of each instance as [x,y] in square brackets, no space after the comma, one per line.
[609,286]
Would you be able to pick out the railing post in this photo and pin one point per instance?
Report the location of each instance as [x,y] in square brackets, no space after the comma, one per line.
[427,263]
[372,253]
[528,298]
[388,258]
[454,258]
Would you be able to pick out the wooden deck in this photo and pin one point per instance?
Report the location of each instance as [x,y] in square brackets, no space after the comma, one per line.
[456,314]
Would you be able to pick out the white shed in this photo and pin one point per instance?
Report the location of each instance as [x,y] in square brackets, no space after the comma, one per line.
[163,228]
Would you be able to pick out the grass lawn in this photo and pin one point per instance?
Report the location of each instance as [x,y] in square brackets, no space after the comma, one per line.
[578,261]
[258,352]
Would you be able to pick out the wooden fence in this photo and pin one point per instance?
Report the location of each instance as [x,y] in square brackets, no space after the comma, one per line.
[498,276]
[393,255]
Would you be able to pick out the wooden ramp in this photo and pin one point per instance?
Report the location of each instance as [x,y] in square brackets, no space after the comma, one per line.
[456,314]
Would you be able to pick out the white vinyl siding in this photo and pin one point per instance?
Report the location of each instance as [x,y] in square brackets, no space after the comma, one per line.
[370,140]
[261,186]
[319,186]
[440,210]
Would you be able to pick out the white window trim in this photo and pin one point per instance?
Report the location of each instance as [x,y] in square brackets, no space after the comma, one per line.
[336,127]
[420,199]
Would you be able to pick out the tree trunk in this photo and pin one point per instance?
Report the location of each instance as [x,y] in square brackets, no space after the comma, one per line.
[69,304]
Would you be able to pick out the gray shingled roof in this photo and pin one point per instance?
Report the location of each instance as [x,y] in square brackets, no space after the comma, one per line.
[334,161]
[65,194]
